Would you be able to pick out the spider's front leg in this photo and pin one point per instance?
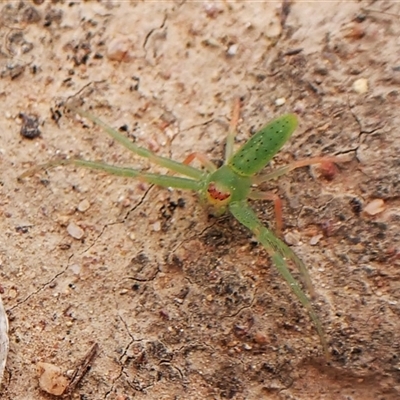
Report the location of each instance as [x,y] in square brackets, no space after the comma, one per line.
[156,179]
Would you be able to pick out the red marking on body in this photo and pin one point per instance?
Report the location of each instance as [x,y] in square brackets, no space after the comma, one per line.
[217,194]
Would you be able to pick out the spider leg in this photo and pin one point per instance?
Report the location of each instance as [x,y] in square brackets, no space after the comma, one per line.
[172,165]
[203,159]
[278,251]
[326,162]
[258,195]
[232,130]
[156,179]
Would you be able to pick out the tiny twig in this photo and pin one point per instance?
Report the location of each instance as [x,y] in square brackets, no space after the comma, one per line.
[81,370]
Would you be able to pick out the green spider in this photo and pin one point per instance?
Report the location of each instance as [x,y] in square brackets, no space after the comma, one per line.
[227,187]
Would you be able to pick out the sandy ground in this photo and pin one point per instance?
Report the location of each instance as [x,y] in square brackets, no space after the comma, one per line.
[180,304]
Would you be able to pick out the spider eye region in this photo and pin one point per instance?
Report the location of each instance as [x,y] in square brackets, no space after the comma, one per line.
[225,186]
[217,195]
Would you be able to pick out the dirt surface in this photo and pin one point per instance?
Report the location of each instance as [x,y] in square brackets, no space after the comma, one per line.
[183,305]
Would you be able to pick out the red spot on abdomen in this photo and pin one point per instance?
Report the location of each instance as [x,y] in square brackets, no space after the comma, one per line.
[217,194]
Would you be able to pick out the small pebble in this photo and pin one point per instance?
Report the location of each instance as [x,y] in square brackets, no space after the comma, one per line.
[315,239]
[131,235]
[292,238]
[212,10]
[75,231]
[51,378]
[232,50]
[280,102]
[360,86]
[260,338]
[118,49]
[30,126]
[75,268]
[157,226]
[83,206]
[374,207]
